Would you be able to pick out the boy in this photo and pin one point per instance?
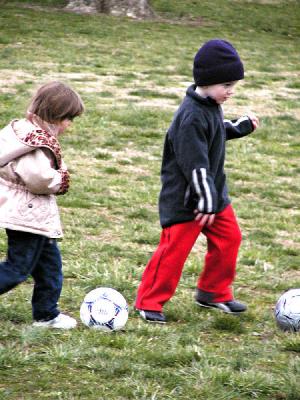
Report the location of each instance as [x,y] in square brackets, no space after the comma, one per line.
[194,197]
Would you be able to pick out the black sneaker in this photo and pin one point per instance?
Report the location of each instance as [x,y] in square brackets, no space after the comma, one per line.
[230,307]
[153,316]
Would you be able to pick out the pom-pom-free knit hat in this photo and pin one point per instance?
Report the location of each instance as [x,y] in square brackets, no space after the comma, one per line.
[217,61]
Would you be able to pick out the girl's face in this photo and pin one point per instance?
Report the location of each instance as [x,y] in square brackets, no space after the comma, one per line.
[220,92]
[63,125]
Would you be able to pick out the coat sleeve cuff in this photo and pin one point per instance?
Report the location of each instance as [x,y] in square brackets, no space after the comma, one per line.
[65,182]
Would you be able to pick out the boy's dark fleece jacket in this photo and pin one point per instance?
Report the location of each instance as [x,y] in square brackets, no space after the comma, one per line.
[192,171]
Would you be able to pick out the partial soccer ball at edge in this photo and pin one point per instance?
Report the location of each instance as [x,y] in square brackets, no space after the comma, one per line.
[105,309]
[287,311]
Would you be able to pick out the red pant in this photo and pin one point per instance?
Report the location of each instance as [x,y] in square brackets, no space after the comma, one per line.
[163,271]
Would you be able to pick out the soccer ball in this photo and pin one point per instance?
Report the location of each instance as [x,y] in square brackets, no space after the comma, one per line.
[104,309]
[287,311]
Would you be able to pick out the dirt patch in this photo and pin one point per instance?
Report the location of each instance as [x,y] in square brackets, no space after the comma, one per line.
[284,238]
[128,154]
[292,275]
[9,79]
[92,83]
[265,101]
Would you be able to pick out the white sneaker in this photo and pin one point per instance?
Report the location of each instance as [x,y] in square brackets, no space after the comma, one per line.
[62,321]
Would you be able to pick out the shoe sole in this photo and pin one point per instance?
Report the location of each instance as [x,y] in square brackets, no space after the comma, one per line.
[36,325]
[219,309]
[151,321]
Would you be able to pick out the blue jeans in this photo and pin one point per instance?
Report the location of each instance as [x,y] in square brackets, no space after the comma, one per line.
[38,256]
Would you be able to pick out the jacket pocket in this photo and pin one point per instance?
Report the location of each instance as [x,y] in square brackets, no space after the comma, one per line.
[34,208]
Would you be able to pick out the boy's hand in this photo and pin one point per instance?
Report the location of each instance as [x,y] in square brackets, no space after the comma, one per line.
[204,219]
[254,119]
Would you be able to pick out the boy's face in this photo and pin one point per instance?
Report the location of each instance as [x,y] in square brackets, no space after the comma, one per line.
[220,92]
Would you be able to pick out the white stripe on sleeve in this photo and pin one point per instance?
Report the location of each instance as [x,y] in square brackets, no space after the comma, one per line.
[208,195]
[196,183]
[239,121]
[207,190]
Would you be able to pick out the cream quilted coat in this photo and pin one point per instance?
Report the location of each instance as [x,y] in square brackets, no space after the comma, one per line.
[31,174]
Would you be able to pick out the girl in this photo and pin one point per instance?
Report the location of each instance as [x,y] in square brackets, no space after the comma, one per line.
[32,173]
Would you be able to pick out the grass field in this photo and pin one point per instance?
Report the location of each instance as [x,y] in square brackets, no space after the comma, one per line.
[132,75]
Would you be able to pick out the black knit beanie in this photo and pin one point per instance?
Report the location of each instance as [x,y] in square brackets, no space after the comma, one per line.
[217,61]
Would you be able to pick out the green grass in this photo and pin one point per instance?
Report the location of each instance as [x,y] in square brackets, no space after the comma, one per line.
[132,76]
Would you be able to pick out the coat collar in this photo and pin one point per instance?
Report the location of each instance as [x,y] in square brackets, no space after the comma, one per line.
[208,101]
[34,136]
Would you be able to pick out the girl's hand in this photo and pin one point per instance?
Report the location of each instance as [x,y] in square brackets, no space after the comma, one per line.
[254,119]
[65,181]
[204,219]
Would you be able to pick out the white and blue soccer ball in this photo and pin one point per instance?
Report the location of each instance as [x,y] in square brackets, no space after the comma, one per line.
[105,309]
[287,311]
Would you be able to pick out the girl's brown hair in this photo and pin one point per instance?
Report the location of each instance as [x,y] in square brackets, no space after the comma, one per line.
[56,101]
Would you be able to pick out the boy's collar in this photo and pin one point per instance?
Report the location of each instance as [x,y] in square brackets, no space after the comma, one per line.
[199,91]
[194,93]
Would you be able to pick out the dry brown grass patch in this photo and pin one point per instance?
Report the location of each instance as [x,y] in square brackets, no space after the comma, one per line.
[10,78]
